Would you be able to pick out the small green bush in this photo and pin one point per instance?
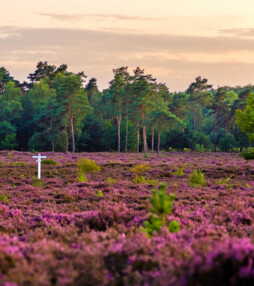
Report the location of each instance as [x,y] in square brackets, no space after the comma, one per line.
[162,205]
[19,164]
[99,194]
[111,180]
[179,171]
[37,182]
[4,198]
[197,178]
[151,182]
[88,166]
[139,180]
[146,156]
[247,155]
[49,162]
[11,154]
[223,182]
[140,169]
[82,178]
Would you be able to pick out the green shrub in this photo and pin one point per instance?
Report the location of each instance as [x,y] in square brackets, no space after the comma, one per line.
[197,178]
[140,169]
[139,180]
[247,155]
[88,166]
[49,162]
[223,182]
[179,171]
[4,198]
[37,182]
[227,143]
[111,180]
[151,182]
[19,164]
[11,154]
[162,205]
[146,156]
[82,178]
[99,194]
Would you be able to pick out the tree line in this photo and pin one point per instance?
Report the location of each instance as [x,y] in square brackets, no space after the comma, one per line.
[57,110]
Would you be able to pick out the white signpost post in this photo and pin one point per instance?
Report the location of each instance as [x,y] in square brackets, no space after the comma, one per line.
[39,157]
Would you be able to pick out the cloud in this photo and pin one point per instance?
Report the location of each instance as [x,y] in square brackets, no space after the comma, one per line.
[99,16]
[173,59]
[241,32]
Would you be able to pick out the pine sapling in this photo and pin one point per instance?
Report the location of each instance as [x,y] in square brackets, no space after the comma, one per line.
[162,205]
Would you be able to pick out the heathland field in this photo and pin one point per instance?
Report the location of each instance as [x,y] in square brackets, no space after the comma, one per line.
[86,223]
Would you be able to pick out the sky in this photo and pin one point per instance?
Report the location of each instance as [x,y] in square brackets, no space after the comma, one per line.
[175,41]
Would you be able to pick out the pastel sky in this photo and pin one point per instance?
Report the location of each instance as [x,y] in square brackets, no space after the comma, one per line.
[175,41]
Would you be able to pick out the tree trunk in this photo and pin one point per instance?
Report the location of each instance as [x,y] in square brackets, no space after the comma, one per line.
[119,132]
[214,130]
[153,138]
[159,141]
[126,135]
[51,131]
[72,134]
[144,133]
[144,139]
[138,139]
[234,127]
[53,145]
[66,140]
[194,118]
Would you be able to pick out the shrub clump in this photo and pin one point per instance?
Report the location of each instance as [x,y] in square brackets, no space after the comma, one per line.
[4,198]
[142,180]
[49,162]
[88,166]
[162,205]
[140,169]
[197,178]
[179,171]
[247,155]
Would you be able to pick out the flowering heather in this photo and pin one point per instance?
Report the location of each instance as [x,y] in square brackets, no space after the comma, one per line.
[61,232]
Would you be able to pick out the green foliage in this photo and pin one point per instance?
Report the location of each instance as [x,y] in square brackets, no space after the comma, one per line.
[162,205]
[245,119]
[140,169]
[54,112]
[7,135]
[139,180]
[19,164]
[174,226]
[179,171]
[37,182]
[142,180]
[223,182]
[99,194]
[151,182]
[81,177]
[111,180]
[87,166]
[197,178]
[227,143]
[4,198]
[49,162]
[249,155]
[146,156]
[11,154]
